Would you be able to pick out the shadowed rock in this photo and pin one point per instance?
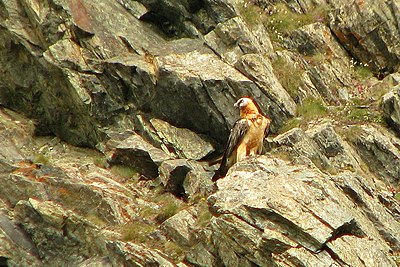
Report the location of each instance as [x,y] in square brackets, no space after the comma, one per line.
[140,155]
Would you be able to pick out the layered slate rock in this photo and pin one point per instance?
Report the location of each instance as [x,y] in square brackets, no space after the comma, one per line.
[273,213]
[380,150]
[137,153]
[327,61]
[391,108]
[369,31]
[183,142]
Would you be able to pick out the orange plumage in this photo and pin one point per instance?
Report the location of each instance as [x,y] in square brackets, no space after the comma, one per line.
[246,136]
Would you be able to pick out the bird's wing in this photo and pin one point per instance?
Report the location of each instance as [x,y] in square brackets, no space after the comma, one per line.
[268,123]
[239,130]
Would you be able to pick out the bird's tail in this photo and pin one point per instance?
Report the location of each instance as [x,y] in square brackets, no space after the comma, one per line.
[220,173]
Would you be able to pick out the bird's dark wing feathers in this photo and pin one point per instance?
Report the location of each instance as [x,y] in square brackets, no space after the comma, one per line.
[239,129]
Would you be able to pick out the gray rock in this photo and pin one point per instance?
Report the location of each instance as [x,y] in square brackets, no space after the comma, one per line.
[138,254]
[327,62]
[185,143]
[269,210]
[180,228]
[370,33]
[392,79]
[233,39]
[390,106]
[172,175]
[198,183]
[56,231]
[339,152]
[301,149]
[16,246]
[375,146]
[139,154]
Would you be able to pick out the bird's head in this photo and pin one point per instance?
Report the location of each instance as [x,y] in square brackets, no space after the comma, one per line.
[246,106]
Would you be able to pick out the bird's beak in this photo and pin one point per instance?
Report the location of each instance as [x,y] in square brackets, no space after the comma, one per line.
[236,105]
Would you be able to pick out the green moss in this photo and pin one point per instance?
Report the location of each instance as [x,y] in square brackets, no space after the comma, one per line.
[397,196]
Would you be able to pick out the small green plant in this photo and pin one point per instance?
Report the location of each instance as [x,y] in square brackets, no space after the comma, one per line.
[167,211]
[40,159]
[136,231]
[283,20]
[100,161]
[204,217]
[352,133]
[290,124]
[174,250]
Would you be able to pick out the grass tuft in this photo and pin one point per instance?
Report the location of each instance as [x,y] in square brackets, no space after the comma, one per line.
[169,206]
[311,108]
[123,171]
[137,231]
[289,75]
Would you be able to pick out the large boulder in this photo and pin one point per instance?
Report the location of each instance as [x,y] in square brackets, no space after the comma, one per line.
[272,213]
[140,155]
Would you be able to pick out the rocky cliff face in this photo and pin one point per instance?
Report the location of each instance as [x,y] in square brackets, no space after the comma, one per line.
[110,110]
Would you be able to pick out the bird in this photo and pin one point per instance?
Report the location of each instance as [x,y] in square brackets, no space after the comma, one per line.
[246,136]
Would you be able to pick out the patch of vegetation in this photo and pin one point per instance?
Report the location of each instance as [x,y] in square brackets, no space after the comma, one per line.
[351,133]
[123,171]
[40,159]
[311,108]
[250,13]
[289,75]
[173,250]
[397,196]
[95,219]
[100,161]
[204,217]
[364,115]
[363,72]
[169,206]
[283,20]
[137,231]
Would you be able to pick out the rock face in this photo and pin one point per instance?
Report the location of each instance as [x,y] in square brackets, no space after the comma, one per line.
[369,33]
[391,108]
[305,219]
[110,111]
